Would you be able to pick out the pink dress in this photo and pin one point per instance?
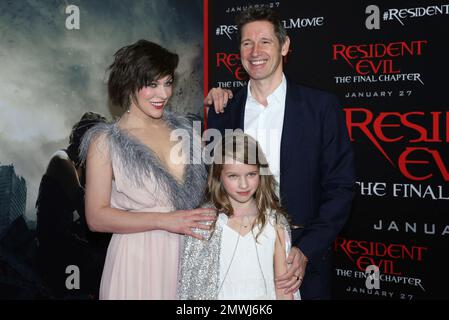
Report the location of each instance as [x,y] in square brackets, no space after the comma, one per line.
[140,265]
[144,265]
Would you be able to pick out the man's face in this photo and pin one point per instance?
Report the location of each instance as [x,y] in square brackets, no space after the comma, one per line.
[260,51]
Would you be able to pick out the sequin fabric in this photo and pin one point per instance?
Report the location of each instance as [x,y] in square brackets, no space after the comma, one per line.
[200,262]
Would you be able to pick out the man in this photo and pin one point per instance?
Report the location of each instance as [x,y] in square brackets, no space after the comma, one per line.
[303,134]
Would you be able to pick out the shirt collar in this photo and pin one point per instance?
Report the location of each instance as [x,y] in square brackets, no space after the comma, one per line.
[278,95]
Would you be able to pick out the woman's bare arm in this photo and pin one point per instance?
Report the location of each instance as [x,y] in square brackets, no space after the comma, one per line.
[102,218]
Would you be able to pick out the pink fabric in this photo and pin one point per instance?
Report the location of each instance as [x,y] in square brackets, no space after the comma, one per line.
[140,265]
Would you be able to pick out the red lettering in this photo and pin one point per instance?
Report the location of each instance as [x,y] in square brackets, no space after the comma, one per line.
[378,249]
[418,128]
[405,162]
[228,60]
[379,125]
[377,50]
[363,262]
[363,126]
[371,51]
[435,127]
[387,267]
[240,73]
[365,67]
[440,164]
[221,58]
[233,59]
[339,243]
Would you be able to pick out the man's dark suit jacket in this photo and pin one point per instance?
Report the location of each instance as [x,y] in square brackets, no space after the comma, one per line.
[316,174]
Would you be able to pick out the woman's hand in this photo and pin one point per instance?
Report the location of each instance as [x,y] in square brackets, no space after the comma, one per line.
[184,221]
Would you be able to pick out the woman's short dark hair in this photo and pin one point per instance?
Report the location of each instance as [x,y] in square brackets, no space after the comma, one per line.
[136,66]
[261,14]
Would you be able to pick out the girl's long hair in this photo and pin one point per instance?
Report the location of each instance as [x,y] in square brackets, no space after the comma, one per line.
[240,147]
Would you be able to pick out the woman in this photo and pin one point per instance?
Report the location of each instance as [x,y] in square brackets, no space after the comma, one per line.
[136,187]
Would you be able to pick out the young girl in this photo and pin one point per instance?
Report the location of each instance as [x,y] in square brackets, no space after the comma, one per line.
[247,245]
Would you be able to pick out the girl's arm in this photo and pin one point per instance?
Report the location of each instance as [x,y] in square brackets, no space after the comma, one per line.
[102,218]
[280,261]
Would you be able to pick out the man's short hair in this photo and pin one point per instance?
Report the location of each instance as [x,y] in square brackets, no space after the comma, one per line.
[262,14]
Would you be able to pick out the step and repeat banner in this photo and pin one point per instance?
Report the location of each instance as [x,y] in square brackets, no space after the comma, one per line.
[388,64]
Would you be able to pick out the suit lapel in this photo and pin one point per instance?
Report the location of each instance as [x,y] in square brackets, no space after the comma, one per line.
[242,104]
[292,129]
